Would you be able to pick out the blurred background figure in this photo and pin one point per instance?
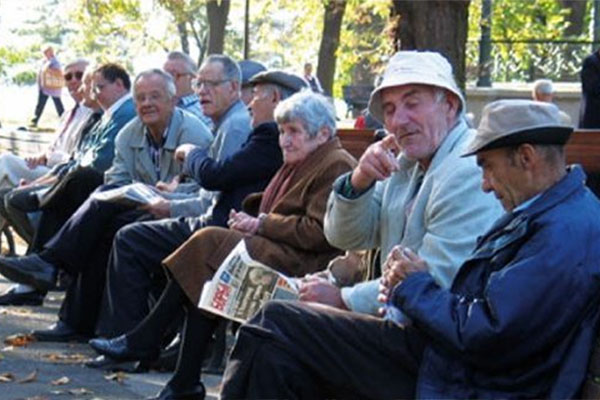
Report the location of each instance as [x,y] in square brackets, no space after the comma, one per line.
[543,90]
[50,82]
[249,69]
[312,80]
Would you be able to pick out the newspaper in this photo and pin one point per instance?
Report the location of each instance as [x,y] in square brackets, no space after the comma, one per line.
[242,285]
[133,194]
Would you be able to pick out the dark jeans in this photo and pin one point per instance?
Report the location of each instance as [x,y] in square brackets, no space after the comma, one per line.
[82,247]
[41,103]
[135,271]
[297,350]
[16,204]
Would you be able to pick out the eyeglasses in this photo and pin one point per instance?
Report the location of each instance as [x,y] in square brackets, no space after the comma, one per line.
[99,87]
[70,75]
[197,83]
[177,75]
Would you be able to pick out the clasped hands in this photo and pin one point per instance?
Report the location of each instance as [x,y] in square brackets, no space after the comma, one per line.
[400,263]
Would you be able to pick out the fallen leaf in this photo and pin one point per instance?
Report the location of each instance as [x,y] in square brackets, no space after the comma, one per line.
[32,377]
[6,377]
[117,376]
[80,391]
[8,348]
[67,358]
[60,381]
[37,398]
[19,340]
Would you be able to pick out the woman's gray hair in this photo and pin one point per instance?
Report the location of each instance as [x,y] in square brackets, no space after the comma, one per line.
[312,110]
[167,79]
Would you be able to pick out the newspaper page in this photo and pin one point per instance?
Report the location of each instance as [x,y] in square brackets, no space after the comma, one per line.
[242,285]
[133,194]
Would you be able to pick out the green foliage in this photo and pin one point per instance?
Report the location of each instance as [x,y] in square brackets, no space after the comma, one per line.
[25,78]
[514,20]
[10,56]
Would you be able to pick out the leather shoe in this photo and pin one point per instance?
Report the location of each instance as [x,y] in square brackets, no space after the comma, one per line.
[31,270]
[11,298]
[120,349]
[59,332]
[168,393]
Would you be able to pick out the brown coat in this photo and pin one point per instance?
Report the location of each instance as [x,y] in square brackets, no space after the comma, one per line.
[290,238]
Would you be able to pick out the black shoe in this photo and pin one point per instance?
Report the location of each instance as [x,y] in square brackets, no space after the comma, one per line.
[108,364]
[31,270]
[168,393]
[11,298]
[121,350]
[59,332]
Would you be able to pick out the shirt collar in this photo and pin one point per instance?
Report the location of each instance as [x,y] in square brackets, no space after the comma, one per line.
[115,106]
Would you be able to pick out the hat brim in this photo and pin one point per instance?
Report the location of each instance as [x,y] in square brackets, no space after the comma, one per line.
[555,135]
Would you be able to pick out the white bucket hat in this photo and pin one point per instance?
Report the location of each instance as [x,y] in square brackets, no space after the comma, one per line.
[415,68]
[512,122]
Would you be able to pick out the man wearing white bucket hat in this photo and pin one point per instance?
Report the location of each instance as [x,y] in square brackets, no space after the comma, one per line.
[412,190]
[520,317]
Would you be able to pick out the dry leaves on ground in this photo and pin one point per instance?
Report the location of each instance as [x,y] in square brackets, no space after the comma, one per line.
[80,391]
[19,340]
[17,312]
[32,377]
[117,377]
[6,377]
[65,358]
[60,381]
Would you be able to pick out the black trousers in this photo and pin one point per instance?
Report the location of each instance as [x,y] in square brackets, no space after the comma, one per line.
[297,350]
[14,206]
[41,104]
[62,200]
[82,247]
[135,271]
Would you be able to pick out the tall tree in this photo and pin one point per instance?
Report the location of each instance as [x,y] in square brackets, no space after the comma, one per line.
[436,25]
[217,12]
[330,41]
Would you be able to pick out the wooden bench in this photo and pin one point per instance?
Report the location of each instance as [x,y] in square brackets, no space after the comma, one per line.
[23,144]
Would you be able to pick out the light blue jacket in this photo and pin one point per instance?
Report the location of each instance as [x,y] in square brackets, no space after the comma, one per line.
[448,213]
[132,162]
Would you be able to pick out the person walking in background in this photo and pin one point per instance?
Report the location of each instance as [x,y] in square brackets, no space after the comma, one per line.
[589,117]
[50,82]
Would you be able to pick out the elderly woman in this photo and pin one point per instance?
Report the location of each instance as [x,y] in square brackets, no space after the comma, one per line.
[286,234]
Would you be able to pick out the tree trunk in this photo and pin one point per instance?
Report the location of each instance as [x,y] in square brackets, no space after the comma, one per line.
[183,37]
[330,40]
[436,25]
[216,13]
[575,17]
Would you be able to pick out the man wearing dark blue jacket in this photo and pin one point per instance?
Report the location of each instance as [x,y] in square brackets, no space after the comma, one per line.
[518,321]
[138,249]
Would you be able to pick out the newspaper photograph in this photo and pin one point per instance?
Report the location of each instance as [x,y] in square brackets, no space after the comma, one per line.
[134,194]
[242,285]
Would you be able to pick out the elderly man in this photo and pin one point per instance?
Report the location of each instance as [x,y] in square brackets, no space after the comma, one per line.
[139,248]
[543,90]
[518,321]
[183,70]
[144,153]
[218,87]
[14,169]
[249,69]
[426,199]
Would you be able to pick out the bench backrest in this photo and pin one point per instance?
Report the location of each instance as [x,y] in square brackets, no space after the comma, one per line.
[24,143]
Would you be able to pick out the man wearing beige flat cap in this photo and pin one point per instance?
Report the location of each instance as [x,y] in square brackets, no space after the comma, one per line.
[411,193]
[518,321]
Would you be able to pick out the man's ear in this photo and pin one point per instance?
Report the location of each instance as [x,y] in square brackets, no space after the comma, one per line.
[453,103]
[527,155]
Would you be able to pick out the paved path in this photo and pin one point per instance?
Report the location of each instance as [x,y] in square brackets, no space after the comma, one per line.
[45,363]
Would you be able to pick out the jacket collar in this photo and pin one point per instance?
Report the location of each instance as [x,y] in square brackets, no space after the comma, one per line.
[231,110]
[141,141]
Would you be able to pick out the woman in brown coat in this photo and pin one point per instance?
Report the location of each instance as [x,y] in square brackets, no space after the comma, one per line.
[286,233]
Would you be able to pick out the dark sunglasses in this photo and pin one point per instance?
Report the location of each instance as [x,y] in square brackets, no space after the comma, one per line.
[78,75]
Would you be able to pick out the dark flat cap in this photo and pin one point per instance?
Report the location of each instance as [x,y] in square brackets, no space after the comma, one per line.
[506,123]
[289,81]
[249,69]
